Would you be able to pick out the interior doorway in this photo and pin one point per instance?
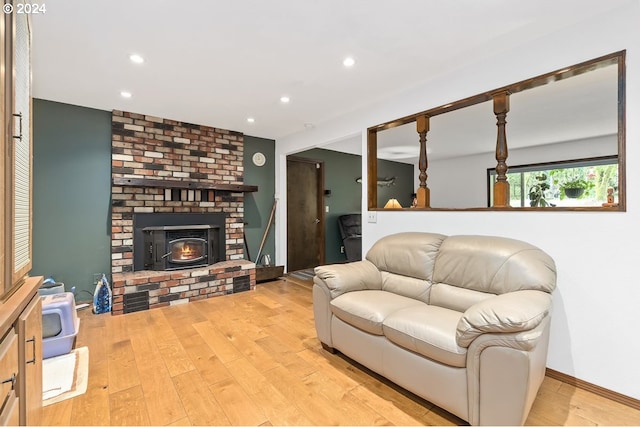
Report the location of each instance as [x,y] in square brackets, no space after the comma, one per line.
[305,213]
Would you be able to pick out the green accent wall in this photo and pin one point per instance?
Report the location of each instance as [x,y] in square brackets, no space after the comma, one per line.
[71,194]
[402,187]
[340,173]
[72,190]
[257,206]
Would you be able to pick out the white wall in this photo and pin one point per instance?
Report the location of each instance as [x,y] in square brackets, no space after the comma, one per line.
[594,335]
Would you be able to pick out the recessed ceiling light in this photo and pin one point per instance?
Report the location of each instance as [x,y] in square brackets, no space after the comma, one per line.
[285,99]
[125,94]
[349,62]
[135,58]
[400,152]
[251,119]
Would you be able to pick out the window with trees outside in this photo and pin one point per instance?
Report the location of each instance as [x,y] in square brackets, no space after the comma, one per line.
[576,183]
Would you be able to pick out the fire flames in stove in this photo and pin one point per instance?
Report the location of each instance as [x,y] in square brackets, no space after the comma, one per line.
[186,251]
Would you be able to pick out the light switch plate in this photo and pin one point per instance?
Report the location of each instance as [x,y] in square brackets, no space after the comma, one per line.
[372,216]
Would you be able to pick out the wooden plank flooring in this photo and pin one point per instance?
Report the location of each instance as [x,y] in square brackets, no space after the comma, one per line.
[253,359]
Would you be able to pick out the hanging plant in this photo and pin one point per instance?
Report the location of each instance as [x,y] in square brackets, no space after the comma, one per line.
[575,188]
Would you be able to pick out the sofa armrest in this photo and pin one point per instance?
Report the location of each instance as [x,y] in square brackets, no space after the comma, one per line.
[353,276]
[506,313]
[504,372]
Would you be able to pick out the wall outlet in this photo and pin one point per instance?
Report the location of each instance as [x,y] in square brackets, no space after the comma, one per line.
[341,249]
[372,216]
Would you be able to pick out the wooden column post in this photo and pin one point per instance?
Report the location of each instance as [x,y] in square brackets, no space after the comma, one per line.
[501,187]
[422,194]
[372,171]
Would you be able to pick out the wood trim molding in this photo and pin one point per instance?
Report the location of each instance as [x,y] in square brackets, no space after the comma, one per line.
[372,169]
[595,389]
[157,183]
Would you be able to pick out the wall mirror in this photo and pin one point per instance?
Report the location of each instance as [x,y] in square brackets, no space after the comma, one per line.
[560,129]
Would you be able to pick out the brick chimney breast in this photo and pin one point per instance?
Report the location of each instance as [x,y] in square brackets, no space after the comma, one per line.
[188,161]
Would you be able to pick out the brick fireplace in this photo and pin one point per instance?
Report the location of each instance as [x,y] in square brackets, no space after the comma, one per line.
[184,172]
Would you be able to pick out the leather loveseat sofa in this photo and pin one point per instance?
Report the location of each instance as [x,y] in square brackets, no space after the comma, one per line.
[462,321]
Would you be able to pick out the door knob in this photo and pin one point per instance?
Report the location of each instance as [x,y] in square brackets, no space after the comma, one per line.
[317,221]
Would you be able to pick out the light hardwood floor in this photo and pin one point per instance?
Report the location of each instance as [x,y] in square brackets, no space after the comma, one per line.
[253,359]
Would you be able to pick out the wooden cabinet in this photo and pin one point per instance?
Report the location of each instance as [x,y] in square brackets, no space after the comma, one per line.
[30,362]
[20,304]
[16,154]
[21,355]
[8,378]
[4,172]
[9,416]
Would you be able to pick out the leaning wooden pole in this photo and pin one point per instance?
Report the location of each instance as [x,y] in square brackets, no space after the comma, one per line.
[266,230]
[501,187]
[246,244]
[423,197]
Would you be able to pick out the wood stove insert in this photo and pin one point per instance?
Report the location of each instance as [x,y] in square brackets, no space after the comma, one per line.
[176,247]
[174,241]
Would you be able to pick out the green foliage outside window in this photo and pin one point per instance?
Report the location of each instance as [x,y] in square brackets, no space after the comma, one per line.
[549,186]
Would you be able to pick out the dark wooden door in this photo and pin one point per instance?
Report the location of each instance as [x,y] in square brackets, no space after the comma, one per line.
[305,213]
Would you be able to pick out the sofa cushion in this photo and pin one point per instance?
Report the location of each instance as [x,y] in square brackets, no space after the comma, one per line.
[406,286]
[408,254]
[493,264]
[427,330]
[455,298]
[367,310]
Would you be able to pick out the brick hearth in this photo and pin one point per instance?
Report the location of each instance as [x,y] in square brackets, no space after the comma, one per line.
[198,169]
[178,287]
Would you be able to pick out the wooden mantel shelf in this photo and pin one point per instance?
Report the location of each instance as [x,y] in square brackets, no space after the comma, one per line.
[157,183]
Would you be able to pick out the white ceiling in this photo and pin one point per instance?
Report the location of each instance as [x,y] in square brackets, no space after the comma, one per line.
[217,62]
[580,107]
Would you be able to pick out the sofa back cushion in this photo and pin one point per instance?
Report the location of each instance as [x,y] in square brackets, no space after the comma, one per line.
[495,265]
[409,287]
[455,298]
[407,254]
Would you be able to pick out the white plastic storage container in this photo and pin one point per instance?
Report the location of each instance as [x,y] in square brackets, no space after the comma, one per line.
[60,324]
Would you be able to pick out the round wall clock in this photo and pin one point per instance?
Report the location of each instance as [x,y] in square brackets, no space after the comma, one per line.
[259,159]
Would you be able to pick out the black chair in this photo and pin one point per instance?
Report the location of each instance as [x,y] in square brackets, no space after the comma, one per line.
[350,226]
